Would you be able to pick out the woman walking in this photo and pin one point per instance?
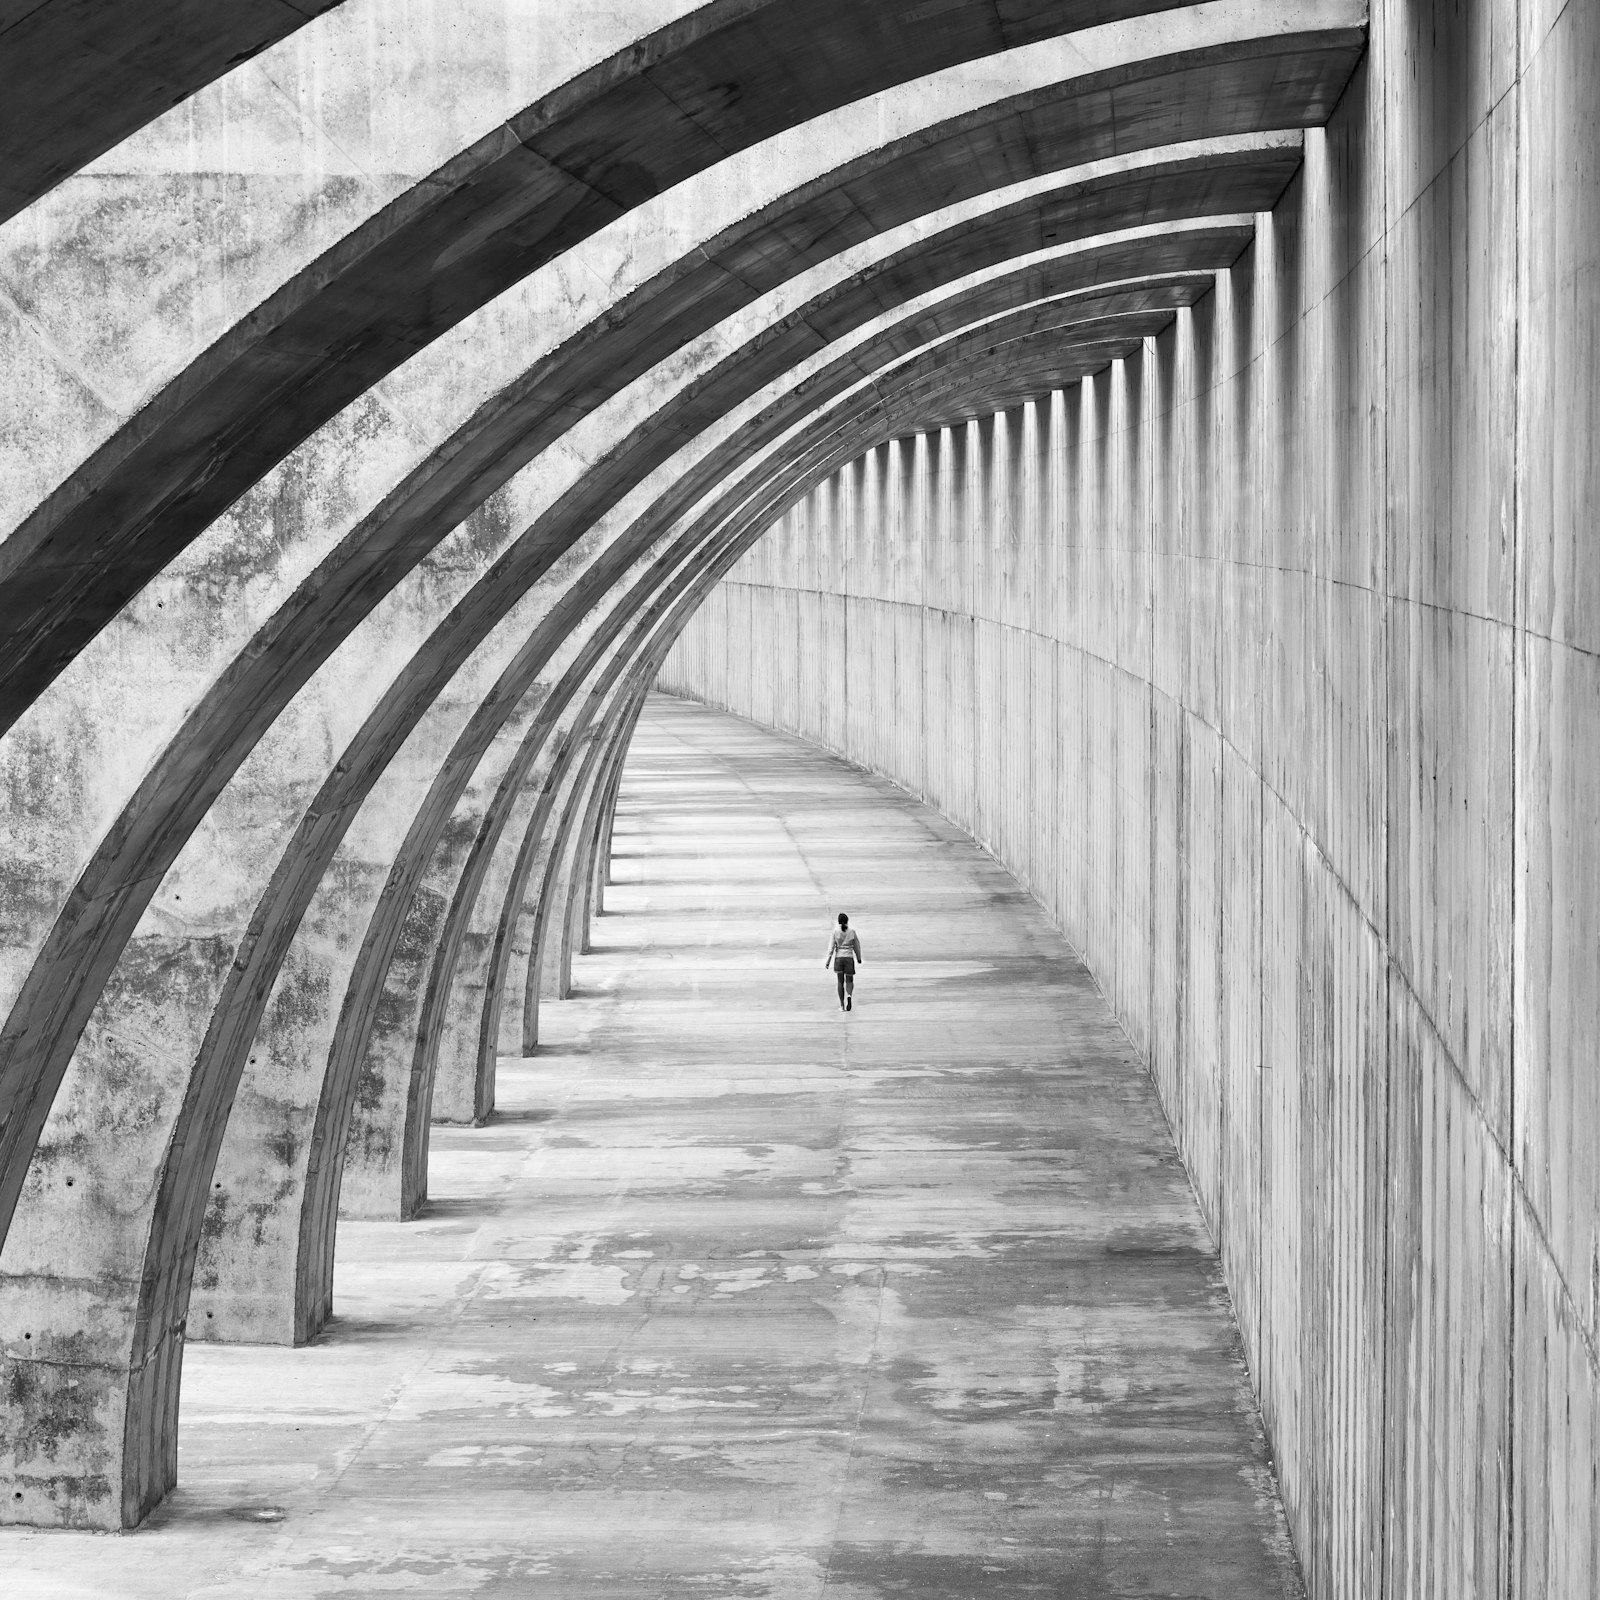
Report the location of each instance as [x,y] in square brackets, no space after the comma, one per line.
[844,951]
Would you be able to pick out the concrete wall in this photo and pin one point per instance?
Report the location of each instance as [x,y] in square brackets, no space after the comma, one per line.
[303,714]
[1268,661]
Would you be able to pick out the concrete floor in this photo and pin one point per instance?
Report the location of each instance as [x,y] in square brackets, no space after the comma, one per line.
[738,1296]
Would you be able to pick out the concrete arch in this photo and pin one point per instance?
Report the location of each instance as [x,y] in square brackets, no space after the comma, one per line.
[151,1402]
[324,585]
[152,1396]
[550,176]
[551,966]
[1309,550]
[857,358]
[592,867]
[127,64]
[548,820]
[466,1027]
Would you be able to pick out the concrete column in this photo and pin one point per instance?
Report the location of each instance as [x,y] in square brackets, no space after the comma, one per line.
[588,825]
[599,874]
[603,869]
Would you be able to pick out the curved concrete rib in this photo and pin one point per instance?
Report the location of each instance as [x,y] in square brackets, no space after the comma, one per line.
[601,880]
[421,998]
[590,872]
[573,843]
[403,997]
[988,339]
[463,1001]
[557,851]
[485,1030]
[536,791]
[549,968]
[469,1019]
[722,80]
[314,1266]
[76,77]
[1201,246]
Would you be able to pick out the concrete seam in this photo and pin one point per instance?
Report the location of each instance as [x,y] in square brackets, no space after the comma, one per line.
[1387,1311]
[59,355]
[297,110]
[1515,1187]
[855,1431]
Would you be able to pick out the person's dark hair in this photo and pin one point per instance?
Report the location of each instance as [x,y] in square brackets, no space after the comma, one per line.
[844,921]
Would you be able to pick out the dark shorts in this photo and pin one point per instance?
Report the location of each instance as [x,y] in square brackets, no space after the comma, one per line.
[846,965]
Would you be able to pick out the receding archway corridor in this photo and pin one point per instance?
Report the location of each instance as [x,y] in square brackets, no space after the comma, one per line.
[1156,438]
[738,1296]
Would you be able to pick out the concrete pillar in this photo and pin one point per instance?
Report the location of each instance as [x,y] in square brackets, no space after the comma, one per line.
[599,873]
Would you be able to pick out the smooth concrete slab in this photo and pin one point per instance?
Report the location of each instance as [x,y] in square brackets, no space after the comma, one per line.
[742,1296]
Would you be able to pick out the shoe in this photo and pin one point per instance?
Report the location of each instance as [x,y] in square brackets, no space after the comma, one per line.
[849,1002]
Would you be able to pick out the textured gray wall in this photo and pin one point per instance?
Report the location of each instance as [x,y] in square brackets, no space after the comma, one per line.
[1267,661]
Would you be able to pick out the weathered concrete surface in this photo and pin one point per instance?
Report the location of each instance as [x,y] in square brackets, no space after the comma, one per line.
[1262,659]
[545,175]
[255,559]
[739,1295]
[136,269]
[63,1431]
[264,1268]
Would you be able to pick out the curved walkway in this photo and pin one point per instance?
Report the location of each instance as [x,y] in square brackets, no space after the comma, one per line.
[738,1296]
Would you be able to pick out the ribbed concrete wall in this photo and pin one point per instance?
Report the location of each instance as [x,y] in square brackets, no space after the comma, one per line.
[1267,661]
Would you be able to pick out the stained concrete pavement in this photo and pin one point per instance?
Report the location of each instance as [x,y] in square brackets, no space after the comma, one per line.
[740,1296]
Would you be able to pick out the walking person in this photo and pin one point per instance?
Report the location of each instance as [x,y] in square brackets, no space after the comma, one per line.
[844,951]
